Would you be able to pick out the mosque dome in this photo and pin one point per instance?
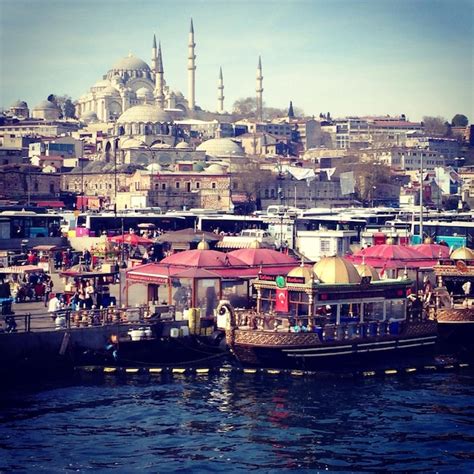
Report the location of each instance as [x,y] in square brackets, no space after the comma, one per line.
[144,93]
[154,168]
[366,270]
[131,63]
[46,104]
[221,147]
[198,167]
[144,113]
[127,142]
[215,169]
[110,90]
[463,253]
[336,270]
[89,117]
[19,104]
[101,84]
[183,145]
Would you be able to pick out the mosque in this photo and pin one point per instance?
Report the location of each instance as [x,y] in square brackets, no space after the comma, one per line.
[132,89]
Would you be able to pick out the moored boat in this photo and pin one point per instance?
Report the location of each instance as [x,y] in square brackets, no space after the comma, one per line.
[327,316]
[454,301]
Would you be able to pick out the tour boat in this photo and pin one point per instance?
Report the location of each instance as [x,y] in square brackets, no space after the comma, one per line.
[454,300]
[329,315]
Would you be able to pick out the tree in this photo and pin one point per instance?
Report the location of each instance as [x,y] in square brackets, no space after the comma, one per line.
[69,110]
[436,126]
[247,107]
[65,104]
[459,120]
[250,181]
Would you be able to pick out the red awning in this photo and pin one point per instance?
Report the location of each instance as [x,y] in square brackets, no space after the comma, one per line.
[51,204]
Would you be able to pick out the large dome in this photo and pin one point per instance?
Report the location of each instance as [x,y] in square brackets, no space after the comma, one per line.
[221,147]
[19,104]
[336,270]
[131,63]
[144,113]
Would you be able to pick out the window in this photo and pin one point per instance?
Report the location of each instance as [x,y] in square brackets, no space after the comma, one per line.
[177,184]
[163,186]
[197,185]
[325,245]
[213,185]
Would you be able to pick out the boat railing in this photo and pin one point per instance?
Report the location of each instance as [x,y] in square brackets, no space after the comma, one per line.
[83,318]
[327,331]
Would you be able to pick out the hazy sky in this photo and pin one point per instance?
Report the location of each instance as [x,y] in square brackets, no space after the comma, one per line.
[342,56]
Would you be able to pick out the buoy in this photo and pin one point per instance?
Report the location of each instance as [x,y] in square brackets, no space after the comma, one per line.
[429,367]
[448,367]
[463,366]
[391,372]
[131,371]
[250,371]
[298,373]
[273,372]
[369,373]
[177,370]
[110,370]
[410,370]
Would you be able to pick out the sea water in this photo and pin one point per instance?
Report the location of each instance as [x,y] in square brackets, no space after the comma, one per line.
[237,422]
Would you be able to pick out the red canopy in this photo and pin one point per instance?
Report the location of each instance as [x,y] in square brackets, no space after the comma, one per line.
[131,239]
[202,258]
[261,256]
[433,250]
[392,256]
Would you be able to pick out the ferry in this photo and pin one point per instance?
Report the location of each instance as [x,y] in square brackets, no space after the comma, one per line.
[330,315]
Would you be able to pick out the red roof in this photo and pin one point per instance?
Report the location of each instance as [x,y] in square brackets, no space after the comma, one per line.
[55,204]
[433,250]
[202,258]
[261,256]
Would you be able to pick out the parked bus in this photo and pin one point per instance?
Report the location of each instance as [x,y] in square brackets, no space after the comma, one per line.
[229,223]
[94,225]
[455,233]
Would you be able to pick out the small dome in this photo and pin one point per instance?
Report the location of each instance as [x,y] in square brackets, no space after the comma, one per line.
[182,145]
[46,104]
[101,84]
[19,104]
[302,272]
[366,270]
[203,245]
[154,168]
[131,63]
[127,142]
[336,270]
[144,93]
[161,146]
[215,169]
[110,90]
[255,244]
[462,253]
[144,113]
[89,116]
[221,147]
[198,167]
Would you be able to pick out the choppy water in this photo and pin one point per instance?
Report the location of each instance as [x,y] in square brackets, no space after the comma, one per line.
[241,423]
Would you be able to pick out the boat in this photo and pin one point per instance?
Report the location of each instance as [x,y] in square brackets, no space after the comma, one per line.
[330,315]
[453,305]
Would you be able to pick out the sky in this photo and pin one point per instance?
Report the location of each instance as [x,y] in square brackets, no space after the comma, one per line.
[346,57]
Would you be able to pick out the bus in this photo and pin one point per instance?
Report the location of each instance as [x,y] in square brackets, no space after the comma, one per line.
[94,225]
[455,233]
[230,224]
[331,223]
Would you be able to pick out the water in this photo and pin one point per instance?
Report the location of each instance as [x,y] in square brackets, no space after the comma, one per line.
[241,423]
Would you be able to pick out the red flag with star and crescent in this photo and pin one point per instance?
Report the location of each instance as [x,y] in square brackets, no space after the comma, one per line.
[281,302]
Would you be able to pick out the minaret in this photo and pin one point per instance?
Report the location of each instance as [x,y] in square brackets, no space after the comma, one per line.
[153,55]
[291,113]
[220,94]
[191,68]
[159,80]
[259,90]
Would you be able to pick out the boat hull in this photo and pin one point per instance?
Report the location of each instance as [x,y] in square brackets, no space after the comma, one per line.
[307,351]
[456,331]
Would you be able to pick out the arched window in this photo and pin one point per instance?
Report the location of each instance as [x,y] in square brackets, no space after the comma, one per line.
[266,193]
[51,188]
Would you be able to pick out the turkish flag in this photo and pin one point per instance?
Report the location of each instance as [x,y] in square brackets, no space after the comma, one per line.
[281,302]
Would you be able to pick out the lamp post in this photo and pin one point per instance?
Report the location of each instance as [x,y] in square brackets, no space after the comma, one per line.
[421,197]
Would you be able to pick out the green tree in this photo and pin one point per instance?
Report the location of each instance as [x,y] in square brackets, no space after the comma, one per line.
[459,120]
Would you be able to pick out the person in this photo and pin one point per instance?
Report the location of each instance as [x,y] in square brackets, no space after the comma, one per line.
[54,305]
[48,288]
[89,293]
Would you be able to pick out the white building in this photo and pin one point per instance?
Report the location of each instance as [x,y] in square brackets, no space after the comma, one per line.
[316,244]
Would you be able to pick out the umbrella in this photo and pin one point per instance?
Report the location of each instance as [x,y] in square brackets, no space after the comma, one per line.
[131,239]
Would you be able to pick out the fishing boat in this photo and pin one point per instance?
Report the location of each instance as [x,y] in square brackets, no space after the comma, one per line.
[328,315]
[453,296]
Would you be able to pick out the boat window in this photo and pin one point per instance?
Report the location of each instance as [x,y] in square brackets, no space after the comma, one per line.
[373,311]
[396,309]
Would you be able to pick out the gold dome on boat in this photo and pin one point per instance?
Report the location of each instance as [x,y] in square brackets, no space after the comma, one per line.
[255,244]
[336,270]
[303,272]
[463,253]
[203,245]
[366,270]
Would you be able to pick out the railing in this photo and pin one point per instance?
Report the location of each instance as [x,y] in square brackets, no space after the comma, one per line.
[68,319]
